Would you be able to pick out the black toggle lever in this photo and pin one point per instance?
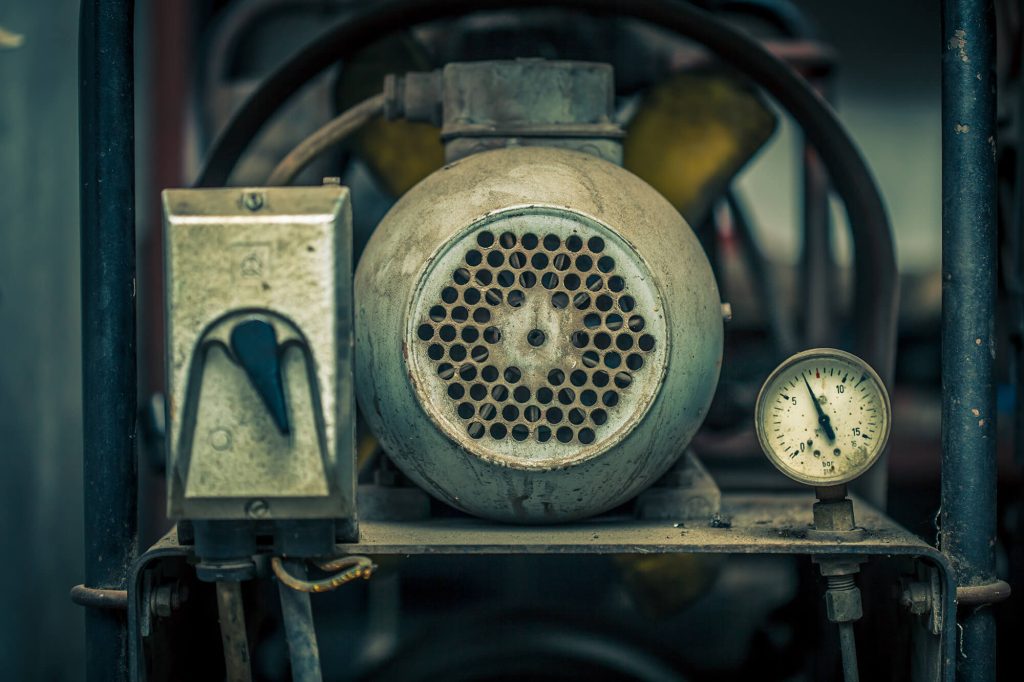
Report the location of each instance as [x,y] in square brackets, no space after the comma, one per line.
[254,344]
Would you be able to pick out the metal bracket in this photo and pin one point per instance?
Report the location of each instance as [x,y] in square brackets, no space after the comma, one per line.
[98,598]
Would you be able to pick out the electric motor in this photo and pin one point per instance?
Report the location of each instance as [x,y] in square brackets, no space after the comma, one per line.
[538,334]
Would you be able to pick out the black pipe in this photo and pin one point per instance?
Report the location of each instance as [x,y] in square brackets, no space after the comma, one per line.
[106,139]
[968,519]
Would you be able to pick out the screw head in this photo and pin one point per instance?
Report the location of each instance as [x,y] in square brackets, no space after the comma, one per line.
[257,509]
[253,201]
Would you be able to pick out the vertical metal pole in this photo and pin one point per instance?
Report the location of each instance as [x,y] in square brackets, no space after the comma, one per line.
[968,519]
[106,129]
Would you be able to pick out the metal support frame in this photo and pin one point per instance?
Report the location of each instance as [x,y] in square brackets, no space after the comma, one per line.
[106,111]
[968,519]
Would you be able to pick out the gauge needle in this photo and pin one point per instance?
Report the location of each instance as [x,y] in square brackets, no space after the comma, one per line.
[822,417]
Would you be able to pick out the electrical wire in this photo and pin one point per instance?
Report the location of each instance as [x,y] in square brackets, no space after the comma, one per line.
[346,569]
[330,134]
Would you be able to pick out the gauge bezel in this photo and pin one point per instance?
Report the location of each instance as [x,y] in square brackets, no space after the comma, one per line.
[786,365]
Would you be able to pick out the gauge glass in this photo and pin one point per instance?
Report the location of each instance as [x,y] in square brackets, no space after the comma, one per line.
[823,417]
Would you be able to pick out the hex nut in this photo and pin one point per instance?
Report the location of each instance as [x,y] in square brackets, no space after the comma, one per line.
[843,606]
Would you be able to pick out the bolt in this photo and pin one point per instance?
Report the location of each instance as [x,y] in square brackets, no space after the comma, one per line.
[253,201]
[257,509]
[167,598]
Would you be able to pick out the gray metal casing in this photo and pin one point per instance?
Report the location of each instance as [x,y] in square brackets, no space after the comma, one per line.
[399,407]
[282,255]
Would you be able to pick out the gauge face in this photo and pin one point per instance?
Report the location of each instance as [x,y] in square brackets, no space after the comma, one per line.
[823,417]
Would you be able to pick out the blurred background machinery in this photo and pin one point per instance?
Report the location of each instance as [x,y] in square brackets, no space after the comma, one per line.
[745,167]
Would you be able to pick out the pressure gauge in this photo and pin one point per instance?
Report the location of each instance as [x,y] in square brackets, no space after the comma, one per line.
[823,417]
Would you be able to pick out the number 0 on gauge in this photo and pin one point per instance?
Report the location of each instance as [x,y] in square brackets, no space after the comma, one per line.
[823,417]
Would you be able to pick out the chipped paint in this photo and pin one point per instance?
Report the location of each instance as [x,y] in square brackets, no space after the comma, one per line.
[961,129]
[959,43]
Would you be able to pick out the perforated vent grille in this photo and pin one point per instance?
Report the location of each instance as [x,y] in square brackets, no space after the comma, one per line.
[537,335]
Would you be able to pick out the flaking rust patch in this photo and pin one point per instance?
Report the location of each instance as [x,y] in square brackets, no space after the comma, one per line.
[959,43]
[961,129]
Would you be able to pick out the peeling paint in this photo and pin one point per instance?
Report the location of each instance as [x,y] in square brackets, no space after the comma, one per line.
[961,128]
[959,43]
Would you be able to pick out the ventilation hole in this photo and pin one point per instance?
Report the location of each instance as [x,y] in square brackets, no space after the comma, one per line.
[466,410]
[535,337]
[610,398]
[485,239]
[626,304]
[437,313]
[544,395]
[616,283]
[571,282]
[556,377]
[539,261]
[543,434]
[595,244]
[471,296]
[478,392]
[591,359]
[564,434]
[445,371]
[576,416]
[507,240]
[599,416]
[499,392]
[603,302]
[459,314]
[613,322]
[580,339]
[467,372]
[561,262]
[578,377]
[527,279]
[623,379]
[517,260]
[498,431]
[449,294]
[481,315]
[521,394]
[612,360]
[529,241]
[494,296]
[636,323]
[634,362]
[425,332]
[520,432]
[646,342]
[552,242]
[553,415]
[480,354]
[435,352]
[586,436]
[491,334]
[510,413]
[532,413]
[457,352]
[506,278]
[495,259]
[592,320]
[516,298]
[488,411]
[513,374]
[473,258]
[549,280]
[489,373]
[600,378]
[456,391]
[560,300]
[484,277]
[574,243]
[470,334]
[588,397]
[624,342]
[584,262]
[447,333]
[461,276]
[581,301]
[475,430]
[594,282]
[566,396]
[606,264]
[602,340]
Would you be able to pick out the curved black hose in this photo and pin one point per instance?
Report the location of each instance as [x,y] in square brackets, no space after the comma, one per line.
[875,268]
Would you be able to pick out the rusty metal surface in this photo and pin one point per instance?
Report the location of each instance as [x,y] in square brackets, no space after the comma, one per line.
[96,598]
